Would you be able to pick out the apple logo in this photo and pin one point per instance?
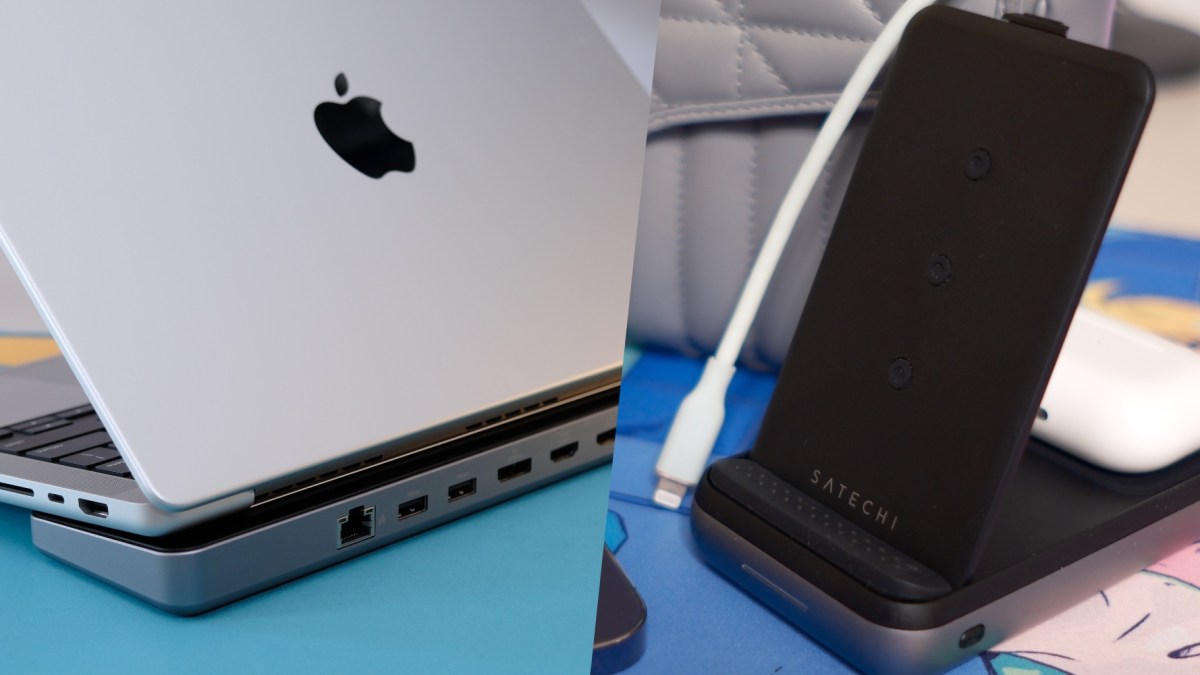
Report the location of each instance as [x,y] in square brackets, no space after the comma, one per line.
[357,133]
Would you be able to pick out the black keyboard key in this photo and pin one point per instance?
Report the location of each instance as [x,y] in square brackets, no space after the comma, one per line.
[117,468]
[43,428]
[5,433]
[76,412]
[89,458]
[49,453]
[33,423]
[18,444]
[21,443]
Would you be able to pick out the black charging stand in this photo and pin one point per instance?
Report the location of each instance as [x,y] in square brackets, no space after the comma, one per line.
[894,506]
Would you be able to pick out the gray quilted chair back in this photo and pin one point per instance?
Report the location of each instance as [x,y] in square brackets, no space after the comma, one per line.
[740,88]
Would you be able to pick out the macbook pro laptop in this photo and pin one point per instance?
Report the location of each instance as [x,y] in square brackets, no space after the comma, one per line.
[283,245]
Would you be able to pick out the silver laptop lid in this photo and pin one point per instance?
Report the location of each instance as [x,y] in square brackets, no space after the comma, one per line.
[241,304]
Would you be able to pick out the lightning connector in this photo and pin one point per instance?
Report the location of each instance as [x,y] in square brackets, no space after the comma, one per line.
[698,421]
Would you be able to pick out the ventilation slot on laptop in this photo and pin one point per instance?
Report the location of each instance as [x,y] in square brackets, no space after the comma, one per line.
[495,420]
[511,414]
[299,485]
[278,493]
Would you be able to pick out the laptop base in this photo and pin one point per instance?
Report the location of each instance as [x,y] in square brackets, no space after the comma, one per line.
[197,570]
[1066,530]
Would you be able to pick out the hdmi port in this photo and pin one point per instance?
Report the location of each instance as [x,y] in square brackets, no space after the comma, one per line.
[91,508]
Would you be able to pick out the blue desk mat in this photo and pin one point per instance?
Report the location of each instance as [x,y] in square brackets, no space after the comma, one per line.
[699,622]
[510,589]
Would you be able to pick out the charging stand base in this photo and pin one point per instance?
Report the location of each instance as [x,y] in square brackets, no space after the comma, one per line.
[1066,530]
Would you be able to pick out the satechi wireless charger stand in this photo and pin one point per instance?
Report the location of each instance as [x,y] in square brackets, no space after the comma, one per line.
[893,505]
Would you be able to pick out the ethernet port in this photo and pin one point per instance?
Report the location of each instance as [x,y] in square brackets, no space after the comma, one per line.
[356,526]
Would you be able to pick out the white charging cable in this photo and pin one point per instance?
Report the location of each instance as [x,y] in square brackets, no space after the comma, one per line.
[699,418]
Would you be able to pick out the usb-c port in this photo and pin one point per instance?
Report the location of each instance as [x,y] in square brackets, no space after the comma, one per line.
[515,469]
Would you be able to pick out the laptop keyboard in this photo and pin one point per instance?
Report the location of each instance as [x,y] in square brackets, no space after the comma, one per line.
[72,437]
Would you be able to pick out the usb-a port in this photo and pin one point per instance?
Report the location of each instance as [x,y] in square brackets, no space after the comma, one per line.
[412,507]
[460,490]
